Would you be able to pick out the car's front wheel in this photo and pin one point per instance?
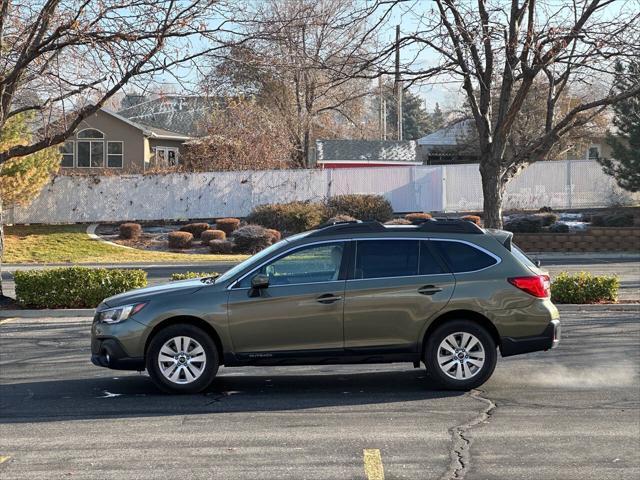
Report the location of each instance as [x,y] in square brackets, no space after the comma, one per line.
[460,355]
[182,358]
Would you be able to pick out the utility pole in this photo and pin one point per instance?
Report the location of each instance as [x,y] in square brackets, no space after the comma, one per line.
[398,83]
[381,113]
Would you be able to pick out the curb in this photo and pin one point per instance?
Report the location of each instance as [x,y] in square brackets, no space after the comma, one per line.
[57,313]
[599,307]
[91,231]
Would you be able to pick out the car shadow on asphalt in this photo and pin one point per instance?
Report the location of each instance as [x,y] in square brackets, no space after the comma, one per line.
[136,396]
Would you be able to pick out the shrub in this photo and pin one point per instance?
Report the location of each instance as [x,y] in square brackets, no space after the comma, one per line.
[418,216]
[364,207]
[584,287]
[251,239]
[276,236]
[547,219]
[227,225]
[524,225]
[221,246]
[398,221]
[208,235]
[472,218]
[189,275]
[73,287]
[195,229]
[559,227]
[613,220]
[293,217]
[180,240]
[130,231]
[339,219]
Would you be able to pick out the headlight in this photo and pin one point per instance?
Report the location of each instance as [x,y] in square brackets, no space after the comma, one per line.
[118,314]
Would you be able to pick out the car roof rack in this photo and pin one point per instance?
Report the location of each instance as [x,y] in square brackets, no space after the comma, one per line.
[448,225]
[436,225]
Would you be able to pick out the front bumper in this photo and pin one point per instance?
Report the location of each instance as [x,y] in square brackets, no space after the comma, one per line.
[550,338]
[109,353]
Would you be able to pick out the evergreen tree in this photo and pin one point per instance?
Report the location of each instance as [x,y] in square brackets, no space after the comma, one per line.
[625,143]
[22,178]
[437,118]
[416,121]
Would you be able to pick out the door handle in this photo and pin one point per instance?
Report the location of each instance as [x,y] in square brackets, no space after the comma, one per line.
[328,298]
[429,290]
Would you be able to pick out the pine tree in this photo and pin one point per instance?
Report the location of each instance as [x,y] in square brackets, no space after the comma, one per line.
[416,121]
[22,178]
[625,142]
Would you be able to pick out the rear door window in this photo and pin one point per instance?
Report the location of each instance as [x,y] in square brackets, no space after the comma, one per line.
[462,257]
[387,258]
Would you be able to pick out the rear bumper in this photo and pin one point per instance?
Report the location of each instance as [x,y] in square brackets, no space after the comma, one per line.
[550,338]
[109,353]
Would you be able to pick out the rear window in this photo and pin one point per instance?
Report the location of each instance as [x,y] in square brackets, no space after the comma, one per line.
[386,258]
[462,257]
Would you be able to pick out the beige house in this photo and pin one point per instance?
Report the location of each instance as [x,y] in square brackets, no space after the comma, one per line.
[108,142]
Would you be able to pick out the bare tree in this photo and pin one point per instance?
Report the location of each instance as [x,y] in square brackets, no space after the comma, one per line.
[300,65]
[507,53]
[61,60]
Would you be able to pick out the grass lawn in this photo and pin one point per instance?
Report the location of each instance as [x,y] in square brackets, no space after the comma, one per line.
[71,244]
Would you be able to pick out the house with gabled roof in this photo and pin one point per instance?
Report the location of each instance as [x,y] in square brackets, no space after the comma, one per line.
[107,142]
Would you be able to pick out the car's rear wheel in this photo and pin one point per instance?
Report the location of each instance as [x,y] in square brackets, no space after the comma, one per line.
[182,358]
[460,355]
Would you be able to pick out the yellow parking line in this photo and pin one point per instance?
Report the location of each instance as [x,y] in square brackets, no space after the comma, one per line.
[4,458]
[373,464]
[5,320]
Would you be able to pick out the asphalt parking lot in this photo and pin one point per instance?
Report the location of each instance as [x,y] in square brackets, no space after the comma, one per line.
[571,413]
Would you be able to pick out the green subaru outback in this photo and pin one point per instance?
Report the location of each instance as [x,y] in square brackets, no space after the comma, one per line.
[443,292]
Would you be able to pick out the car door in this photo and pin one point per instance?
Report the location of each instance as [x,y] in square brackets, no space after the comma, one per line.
[301,309]
[396,286]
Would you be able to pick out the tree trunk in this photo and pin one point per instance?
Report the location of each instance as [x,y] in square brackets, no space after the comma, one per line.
[492,190]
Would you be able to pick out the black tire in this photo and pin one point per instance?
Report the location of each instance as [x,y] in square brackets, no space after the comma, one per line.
[182,330]
[480,375]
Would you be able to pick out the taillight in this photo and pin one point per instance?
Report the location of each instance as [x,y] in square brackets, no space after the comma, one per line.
[538,286]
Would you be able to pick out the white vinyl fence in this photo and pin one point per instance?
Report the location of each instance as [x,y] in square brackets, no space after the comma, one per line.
[450,188]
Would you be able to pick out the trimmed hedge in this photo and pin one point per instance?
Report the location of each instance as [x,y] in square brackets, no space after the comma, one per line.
[208,235]
[190,275]
[73,287]
[363,207]
[547,219]
[472,218]
[276,236]
[340,218]
[251,239]
[584,287]
[613,220]
[179,240]
[412,217]
[195,229]
[221,246]
[292,217]
[227,225]
[524,225]
[130,231]
[559,227]
[398,221]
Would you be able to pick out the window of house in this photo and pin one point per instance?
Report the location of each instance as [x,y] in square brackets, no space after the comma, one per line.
[66,149]
[594,152]
[90,150]
[115,154]
[386,258]
[462,257]
[166,156]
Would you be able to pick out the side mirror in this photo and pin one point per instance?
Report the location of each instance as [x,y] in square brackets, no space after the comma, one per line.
[260,281]
[538,263]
